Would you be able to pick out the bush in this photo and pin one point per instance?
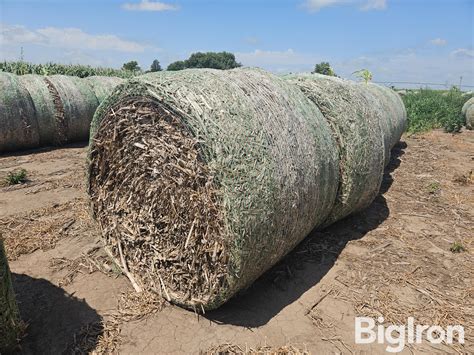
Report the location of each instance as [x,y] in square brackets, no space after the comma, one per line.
[82,71]
[428,109]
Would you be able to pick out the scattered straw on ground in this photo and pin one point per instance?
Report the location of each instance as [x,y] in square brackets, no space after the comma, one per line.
[228,349]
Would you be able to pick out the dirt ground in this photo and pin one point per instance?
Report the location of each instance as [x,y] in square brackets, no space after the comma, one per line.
[393,260]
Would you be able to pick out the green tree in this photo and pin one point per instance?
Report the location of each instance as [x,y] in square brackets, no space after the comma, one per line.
[131,66]
[179,65]
[155,66]
[324,68]
[215,60]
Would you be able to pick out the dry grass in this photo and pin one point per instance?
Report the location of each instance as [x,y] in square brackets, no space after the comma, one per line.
[41,229]
[169,234]
[228,349]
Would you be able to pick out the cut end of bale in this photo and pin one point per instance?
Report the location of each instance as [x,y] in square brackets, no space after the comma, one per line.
[158,203]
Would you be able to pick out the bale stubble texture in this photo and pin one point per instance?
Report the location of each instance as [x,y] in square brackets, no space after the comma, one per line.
[18,125]
[355,123]
[203,179]
[470,117]
[10,323]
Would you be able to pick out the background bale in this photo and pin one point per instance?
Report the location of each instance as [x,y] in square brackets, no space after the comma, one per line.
[355,123]
[10,323]
[102,85]
[470,117]
[18,126]
[466,105]
[78,103]
[46,113]
[239,166]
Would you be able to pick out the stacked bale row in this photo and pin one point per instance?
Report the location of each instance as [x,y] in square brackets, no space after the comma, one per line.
[468,112]
[40,110]
[202,179]
[10,323]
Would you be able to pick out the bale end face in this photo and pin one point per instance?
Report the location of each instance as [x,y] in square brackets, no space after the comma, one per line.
[158,203]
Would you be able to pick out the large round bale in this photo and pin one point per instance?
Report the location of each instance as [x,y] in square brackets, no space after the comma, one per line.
[102,85]
[77,102]
[48,108]
[202,179]
[470,117]
[466,105]
[394,118]
[355,124]
[10,323]
[18,125]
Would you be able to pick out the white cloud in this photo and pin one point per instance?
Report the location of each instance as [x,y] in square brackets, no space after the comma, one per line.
[374,5]
[252,40]
[68,38]
[463,53]
[439,42]
[146,5]
[316,5]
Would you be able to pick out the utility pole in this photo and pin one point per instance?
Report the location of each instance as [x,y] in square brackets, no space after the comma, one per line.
[460,82]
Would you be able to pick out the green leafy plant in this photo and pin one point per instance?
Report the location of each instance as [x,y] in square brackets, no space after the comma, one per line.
[16,177]
[429,109]
[363,74]
[457,247]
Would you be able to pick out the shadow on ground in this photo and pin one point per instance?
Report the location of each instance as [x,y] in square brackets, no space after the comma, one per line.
[305,266]
[33,151]
[56,321]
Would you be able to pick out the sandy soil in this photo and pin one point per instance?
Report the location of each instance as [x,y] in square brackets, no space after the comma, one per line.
[392,260]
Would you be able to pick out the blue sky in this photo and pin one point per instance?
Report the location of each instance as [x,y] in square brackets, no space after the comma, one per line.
[398,40]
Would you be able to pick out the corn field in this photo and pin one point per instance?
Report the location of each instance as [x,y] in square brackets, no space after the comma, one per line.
[82,71]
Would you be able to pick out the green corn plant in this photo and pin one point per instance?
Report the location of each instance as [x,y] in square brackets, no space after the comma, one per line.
[363,74]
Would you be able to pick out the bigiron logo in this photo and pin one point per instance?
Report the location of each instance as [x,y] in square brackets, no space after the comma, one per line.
[397,336]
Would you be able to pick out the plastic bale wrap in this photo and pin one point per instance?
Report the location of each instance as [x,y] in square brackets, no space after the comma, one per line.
[201,180]
[10,323]
[470,117]
[78,102]
[102,85]
[18,125]
[47,113]
[355,123]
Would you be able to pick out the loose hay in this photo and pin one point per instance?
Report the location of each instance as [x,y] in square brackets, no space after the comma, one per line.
[18,125]
[470,117]
[10,323]
[355,123]
[204,179]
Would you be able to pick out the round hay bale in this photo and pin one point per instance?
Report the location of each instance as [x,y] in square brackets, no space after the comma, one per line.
[470,117]
[102,85]
[355,124]
[203,179]
[10,323]
[18,126]
[78,104]
[393,119]
[466,105]
[47,114]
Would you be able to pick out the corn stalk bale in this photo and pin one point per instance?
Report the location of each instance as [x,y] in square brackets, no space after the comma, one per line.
[466,106]
[48,108]
[10,323]
[355,124]
[78,103]
[470,117]
[102,85]
[18,125]
[203,179]
[393,120]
